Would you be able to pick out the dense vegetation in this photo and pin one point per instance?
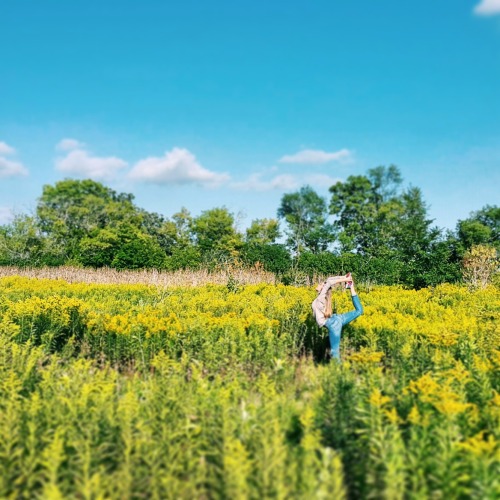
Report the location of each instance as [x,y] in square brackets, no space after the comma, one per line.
[222,391]
[372,226]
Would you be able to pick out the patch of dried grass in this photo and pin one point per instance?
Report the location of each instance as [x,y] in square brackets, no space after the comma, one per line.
[146,277]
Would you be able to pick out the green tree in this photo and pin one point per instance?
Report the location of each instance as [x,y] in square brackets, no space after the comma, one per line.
[390,228]
[72,209]
[366,209]
[100,249]
[137,250]
[23,244]
[386,183]
[215,232]
[305,213]
[263,231]
[273,257]
[480,228]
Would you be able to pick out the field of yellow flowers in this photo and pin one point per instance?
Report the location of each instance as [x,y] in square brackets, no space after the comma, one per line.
[225,391]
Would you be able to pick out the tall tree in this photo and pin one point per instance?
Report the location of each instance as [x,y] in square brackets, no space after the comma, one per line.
[215,230]
[305,213]
[355,206]
[23,244]
[367,210]
[480,228]
[263,231]
[386,182]
[73,209]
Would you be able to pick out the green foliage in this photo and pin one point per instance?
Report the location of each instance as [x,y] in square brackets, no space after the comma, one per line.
[215,230]
[273,257]
[263,232]
[183,257]
[23,244]
[380,232]
[481,228]
[100,249]
[232,408]
[73,209]
[305,213]
[138,251]
[373,219]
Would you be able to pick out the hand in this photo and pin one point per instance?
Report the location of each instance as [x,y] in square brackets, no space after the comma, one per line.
[349,280]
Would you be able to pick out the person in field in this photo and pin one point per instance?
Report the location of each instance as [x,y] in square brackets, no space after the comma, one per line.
[322,310]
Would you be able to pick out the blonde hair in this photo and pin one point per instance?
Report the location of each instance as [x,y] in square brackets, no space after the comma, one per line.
[329,309]
[328,305]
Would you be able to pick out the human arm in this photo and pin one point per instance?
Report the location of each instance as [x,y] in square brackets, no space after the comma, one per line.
[322,288]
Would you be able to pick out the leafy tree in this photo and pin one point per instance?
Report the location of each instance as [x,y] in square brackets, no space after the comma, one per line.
[413,233]
[273,257]
[100,249]
[305,213]
[353,204]
[480,228]
[183,222]
[263,231]
[184,257]
[137,250]
[73,209]
[23,244]
[215,232]
[171,234]
[366,209]
[385,182]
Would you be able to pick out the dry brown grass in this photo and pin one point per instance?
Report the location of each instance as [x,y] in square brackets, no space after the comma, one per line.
[145,277]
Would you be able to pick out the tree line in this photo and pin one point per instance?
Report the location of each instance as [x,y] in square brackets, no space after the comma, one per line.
[372,225]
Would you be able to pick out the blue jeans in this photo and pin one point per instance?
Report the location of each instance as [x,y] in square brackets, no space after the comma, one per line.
[335,323]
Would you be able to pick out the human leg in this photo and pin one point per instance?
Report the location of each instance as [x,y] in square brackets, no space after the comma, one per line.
[334,326]
[352,315]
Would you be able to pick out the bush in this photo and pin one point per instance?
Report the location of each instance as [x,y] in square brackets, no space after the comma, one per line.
[99,250]
[274,257]
[480,264]
[140,252]
[183,257]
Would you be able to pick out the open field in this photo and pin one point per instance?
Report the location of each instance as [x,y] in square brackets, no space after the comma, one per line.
[223,391]
[143,276]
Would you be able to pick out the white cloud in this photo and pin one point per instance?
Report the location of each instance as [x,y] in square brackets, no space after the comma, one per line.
[178,166]
[487,7]
[255,183]
[80,163]
[69,145]
[5,149]
[6,215]
[10,168]
[316,156]
[322,180]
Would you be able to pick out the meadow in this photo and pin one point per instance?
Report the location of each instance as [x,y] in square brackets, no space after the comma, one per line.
[224,390]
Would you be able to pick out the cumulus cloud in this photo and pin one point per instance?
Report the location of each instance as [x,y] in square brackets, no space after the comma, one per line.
[256,183]
[5,149]
[69,145]
[487,7]
[316,156]
[178,166]
[81,163]
[322,180]
[10,168]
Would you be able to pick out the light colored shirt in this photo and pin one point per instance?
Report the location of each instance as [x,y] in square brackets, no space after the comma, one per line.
[319,303]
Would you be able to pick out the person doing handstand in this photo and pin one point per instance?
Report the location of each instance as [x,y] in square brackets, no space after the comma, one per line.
[322,310]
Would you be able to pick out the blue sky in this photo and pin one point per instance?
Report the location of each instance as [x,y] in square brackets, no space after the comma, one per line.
[223,103]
